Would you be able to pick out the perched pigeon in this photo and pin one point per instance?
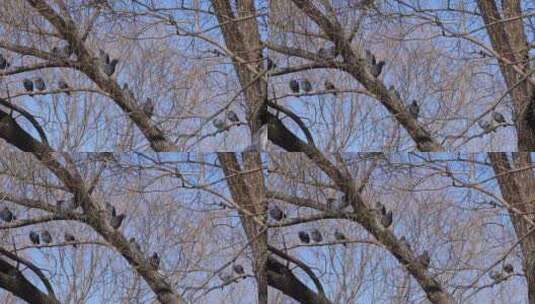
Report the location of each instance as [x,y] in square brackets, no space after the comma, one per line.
[34,237]
[376,69]
[339,236]
[270,64]
[497,276]
[116,221]
[508,268]
[28,85]
[424,259]
[316,236]
[329,86]
[485,125]
[6,215]
[386,219]
[498,117]
[276,213]
[154,261]
[109,68]
[4,64]
[39,84]
[232,116]
[134,243]
[294,86]
[304,237]
[148,107]
[63,85]
[306,85]
[414,109]
[219,124]
[69,238]
[238,269]
[46,237]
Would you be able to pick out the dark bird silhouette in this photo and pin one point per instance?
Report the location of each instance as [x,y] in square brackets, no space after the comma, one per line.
[148,107]
[498,117]
[232,116]
[134,243]
[387,219]
[34,237]
[270,64]
[109,68]
[154,260]
[329,86]
[339,236]
[316,236]
[304,237]
[276,213]
[376,69]
[219,124]
[4,64]
[46,237]
[39,84]
[306,85]
[6,215]
[69,238]
[294,86]
[424,259]
[414,109]
[28,85]
[238,269]
[63,85]
[116,221]
[508,268]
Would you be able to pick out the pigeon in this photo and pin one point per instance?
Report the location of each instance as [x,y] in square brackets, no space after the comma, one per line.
[497,276]
[270,64]
[370,58]
[386,219]
[339,236]
[424,259]
[508,268]
[39,84]
[34,237]
[225,278]
[69,238]
[485,125]
[28,85]
[154,260]
[148,107]
[498,117]
[109,68]
[6,215]
[294,86]
[376,69]
[316,236]
[276,213]
[219,124]
[238,269]
[329,86]
[4,64]
[304,237]
[134,243]
[46,237]
[232,116]
[116,221]
[306,85]
[63,85]
[414,109]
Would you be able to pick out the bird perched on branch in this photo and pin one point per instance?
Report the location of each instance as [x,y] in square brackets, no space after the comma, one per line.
[238,269]
[498,117]
[304,237]
[497,276]
[414,109]
[34,237]
[219,124]
[69,238]
[6,215]
[508,268]
[39,84]
[329,86]
[276,213]
[485,125]
[270,64]
[154,260]
[232,116]
[339,236]
[28,85]
[306,85]
[4,64]
[376,69]
[316,236]
[63,85]
[46,237]
[116,221]
[294,86]
[387,218]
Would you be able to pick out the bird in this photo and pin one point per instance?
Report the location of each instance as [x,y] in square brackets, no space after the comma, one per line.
[339,236]
[103,56]
[238,269]
[148,107]
[276,213]
[329,86]
[294,86]
[485,125]
[270,64]
[154,260]
[39,84]
[134,243]
[232,116]
[304,237]
[116,221]
[497,276]
[225,278]
[46,237]
[69,238]
[508,268]
[63,85]
[4,64]
[109,68]
[219,124]
[316,236]
[306,85]
[424,259]
[414,109]
[6,215]
[28,85]
[376,69]
[498,117]
[34,237]
[387,219]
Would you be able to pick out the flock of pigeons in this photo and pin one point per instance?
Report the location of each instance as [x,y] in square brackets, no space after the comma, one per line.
[62,206]
[384,216]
